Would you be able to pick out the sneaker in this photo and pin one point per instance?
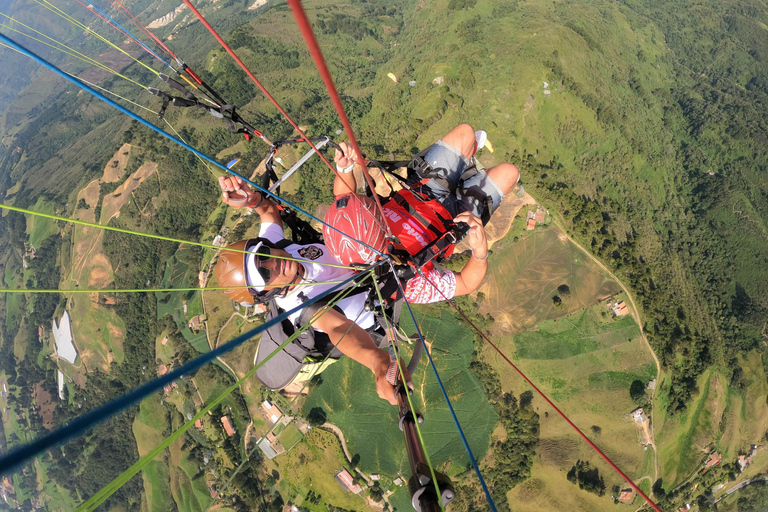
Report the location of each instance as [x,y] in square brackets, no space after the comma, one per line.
[480,139]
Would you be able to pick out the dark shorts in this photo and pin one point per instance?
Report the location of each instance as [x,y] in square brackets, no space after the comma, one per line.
[467,196]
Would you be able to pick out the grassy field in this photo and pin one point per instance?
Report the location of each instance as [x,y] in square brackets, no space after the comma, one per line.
[719,417]
[312,465]
[39,228]
[348,397]
[524,276]
[13,302]
[98,332]
[180,274]
[582,357]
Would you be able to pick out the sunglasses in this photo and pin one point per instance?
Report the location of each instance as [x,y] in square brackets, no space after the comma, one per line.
[263,255]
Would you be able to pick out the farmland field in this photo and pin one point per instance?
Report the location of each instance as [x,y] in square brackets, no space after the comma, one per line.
[40,228]
[348,397]
[524,276]
[148,429]
[577,353]
[181,273]
[719,417]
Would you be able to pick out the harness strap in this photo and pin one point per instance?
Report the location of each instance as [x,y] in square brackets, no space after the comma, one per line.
[403,202]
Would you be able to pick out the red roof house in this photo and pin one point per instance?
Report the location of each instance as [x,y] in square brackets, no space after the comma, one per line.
[227,426]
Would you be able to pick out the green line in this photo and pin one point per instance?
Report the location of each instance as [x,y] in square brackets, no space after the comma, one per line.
[396,346]
[149,290]
[101,496]
[69,51]
[317,316]
[157,237]
[72,20]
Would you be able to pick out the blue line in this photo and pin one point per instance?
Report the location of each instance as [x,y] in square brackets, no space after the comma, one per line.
[128,33]
[181,143]
[83,422]
[445,395]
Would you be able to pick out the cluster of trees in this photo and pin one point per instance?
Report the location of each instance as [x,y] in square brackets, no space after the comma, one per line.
[586,477]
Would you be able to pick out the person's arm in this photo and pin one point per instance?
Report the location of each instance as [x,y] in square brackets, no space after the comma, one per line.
[354,342]
[345,182]
[473,273]
[237,193]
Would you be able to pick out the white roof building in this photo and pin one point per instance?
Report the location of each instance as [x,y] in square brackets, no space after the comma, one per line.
[62,333]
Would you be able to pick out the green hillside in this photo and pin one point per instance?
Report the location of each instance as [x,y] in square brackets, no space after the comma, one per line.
[639,125]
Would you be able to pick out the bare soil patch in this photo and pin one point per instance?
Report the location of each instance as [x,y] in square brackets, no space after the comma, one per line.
[116,166]
[46,405]
[99,274]
[120,197]
[91,196]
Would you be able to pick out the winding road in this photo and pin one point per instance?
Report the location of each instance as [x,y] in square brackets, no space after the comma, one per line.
[636,315]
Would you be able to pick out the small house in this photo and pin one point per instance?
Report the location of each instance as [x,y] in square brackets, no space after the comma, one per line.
[227,424]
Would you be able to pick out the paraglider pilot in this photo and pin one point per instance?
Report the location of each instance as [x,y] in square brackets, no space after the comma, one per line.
[444,193]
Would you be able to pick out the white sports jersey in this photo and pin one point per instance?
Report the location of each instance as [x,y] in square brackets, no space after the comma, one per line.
[313,257]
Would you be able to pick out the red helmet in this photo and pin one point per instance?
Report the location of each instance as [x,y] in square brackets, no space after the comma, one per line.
[357,219]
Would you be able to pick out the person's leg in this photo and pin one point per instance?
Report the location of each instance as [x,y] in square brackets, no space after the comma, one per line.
[492,184]
[505,176]
[463,139]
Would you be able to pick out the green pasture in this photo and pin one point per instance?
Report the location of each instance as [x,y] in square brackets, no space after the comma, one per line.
[98,329]
[621,380]
[157,490]
[524,276]
[312,465]
[348,397]
[576,334]
[53,494]
[718,417]
[40,228]
[582,357]
[180,274]
[13,278]
[291,436]
[149,428]
[549,490]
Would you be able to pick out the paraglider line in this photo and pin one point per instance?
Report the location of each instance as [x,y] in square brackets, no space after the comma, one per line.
[396,348]
[84,422]
[549,402]
[109,489]
[325,74]
[445,395]
[285,114]
[147,235]
[181,143]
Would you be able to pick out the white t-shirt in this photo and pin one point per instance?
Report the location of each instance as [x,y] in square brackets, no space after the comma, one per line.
[313,257]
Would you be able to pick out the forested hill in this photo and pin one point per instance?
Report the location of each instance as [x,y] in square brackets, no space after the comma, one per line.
[651,144]
[648,141]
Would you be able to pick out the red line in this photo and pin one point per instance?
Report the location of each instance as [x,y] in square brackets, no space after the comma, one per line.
[317,55]
[274,102]
[542,395]
[141,26]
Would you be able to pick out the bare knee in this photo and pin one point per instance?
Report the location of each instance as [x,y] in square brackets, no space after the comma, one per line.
[505,176]
[462,138]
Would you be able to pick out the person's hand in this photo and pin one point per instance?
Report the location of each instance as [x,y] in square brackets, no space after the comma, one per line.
[345,157]
[235,192]
[476,235]
[384,388]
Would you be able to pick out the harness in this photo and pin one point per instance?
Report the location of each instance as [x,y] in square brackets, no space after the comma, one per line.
[311,347]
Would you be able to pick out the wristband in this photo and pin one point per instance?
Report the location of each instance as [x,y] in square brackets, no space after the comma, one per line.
[393,372]
[345,170]
[255,204]
[480,259]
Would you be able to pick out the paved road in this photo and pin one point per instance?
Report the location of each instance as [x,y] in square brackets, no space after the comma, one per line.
[741,486]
